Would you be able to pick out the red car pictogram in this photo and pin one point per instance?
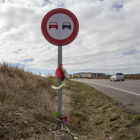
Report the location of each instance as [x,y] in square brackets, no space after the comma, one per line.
[53,25]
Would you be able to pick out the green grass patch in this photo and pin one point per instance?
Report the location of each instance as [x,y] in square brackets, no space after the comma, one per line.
[78,99]
[136,119]
[80,116]
[128,125]
[99,122]
[106,106]
[1,133]
[138,138]
[114,128]
[124,136]
[114,118]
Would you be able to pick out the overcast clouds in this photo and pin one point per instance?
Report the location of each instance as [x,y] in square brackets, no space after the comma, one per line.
[108,38]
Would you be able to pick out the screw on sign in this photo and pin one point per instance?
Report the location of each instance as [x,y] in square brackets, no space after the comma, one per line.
[60,27]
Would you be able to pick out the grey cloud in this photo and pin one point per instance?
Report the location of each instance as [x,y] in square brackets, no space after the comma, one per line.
[104,35]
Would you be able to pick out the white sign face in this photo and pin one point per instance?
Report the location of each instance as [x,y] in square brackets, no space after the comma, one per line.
[60,26]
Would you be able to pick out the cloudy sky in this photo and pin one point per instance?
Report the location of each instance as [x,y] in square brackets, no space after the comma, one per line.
[108,38]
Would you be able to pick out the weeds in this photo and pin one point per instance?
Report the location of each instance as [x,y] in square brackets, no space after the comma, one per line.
[114,118]
[99,122]
[21,89]
[138,138]
[124,136]
[80,116]
[24,89]
[1,134]
[128,125]
[78,99]
[2,96]
[106,106]
[114,128]
[128,116]
[136,119]
[130,104]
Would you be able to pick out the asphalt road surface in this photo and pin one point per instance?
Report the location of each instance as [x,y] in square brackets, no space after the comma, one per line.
[126,93]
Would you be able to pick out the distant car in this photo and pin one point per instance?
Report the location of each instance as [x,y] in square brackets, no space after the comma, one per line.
[117,77]
[53,25]
[66,25]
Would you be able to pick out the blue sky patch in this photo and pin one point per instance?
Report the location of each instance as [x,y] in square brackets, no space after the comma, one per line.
[61,5]
[28,60]
[117,6]
[17,51]
[46,2]
[131,52]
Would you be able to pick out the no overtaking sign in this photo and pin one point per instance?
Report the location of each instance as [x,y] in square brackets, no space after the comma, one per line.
[60,26]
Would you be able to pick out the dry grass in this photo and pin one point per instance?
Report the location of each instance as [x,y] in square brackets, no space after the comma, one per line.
[96,114]
[27,103]
[24,93]
[132,76]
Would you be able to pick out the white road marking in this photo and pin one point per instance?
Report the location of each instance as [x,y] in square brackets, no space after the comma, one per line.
[115,88]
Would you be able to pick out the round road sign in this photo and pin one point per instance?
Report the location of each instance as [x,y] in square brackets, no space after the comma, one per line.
[60,26]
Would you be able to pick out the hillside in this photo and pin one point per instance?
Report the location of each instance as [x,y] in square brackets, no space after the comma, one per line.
[27,103]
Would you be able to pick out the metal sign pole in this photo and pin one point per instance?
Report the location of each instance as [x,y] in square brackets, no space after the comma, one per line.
[59,93]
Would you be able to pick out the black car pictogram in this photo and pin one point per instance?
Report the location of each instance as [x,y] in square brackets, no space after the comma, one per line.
[66,25]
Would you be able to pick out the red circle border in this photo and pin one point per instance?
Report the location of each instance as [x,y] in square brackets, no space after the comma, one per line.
[64,41]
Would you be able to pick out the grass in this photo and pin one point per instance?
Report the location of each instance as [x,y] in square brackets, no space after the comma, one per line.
[22,89]
[138,138]
[1,134]
[106,106]
[124,136]
[114,118]
[128,125]
[100,111]
[136,119]
[27,103]
[130,104]
[99,122]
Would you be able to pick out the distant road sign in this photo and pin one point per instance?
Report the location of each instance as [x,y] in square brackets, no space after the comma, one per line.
[60,26]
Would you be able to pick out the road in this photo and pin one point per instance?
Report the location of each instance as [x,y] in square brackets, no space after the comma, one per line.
[126,93]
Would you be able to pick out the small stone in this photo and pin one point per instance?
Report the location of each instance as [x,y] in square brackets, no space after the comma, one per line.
[90,136]
[8,124]
[64,130]
[75,138]
[58,133]
[111,138]
[73,135]
[25,122]
[18,114]
[55,128]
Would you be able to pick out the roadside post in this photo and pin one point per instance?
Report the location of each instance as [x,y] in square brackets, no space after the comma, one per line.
[59,27]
